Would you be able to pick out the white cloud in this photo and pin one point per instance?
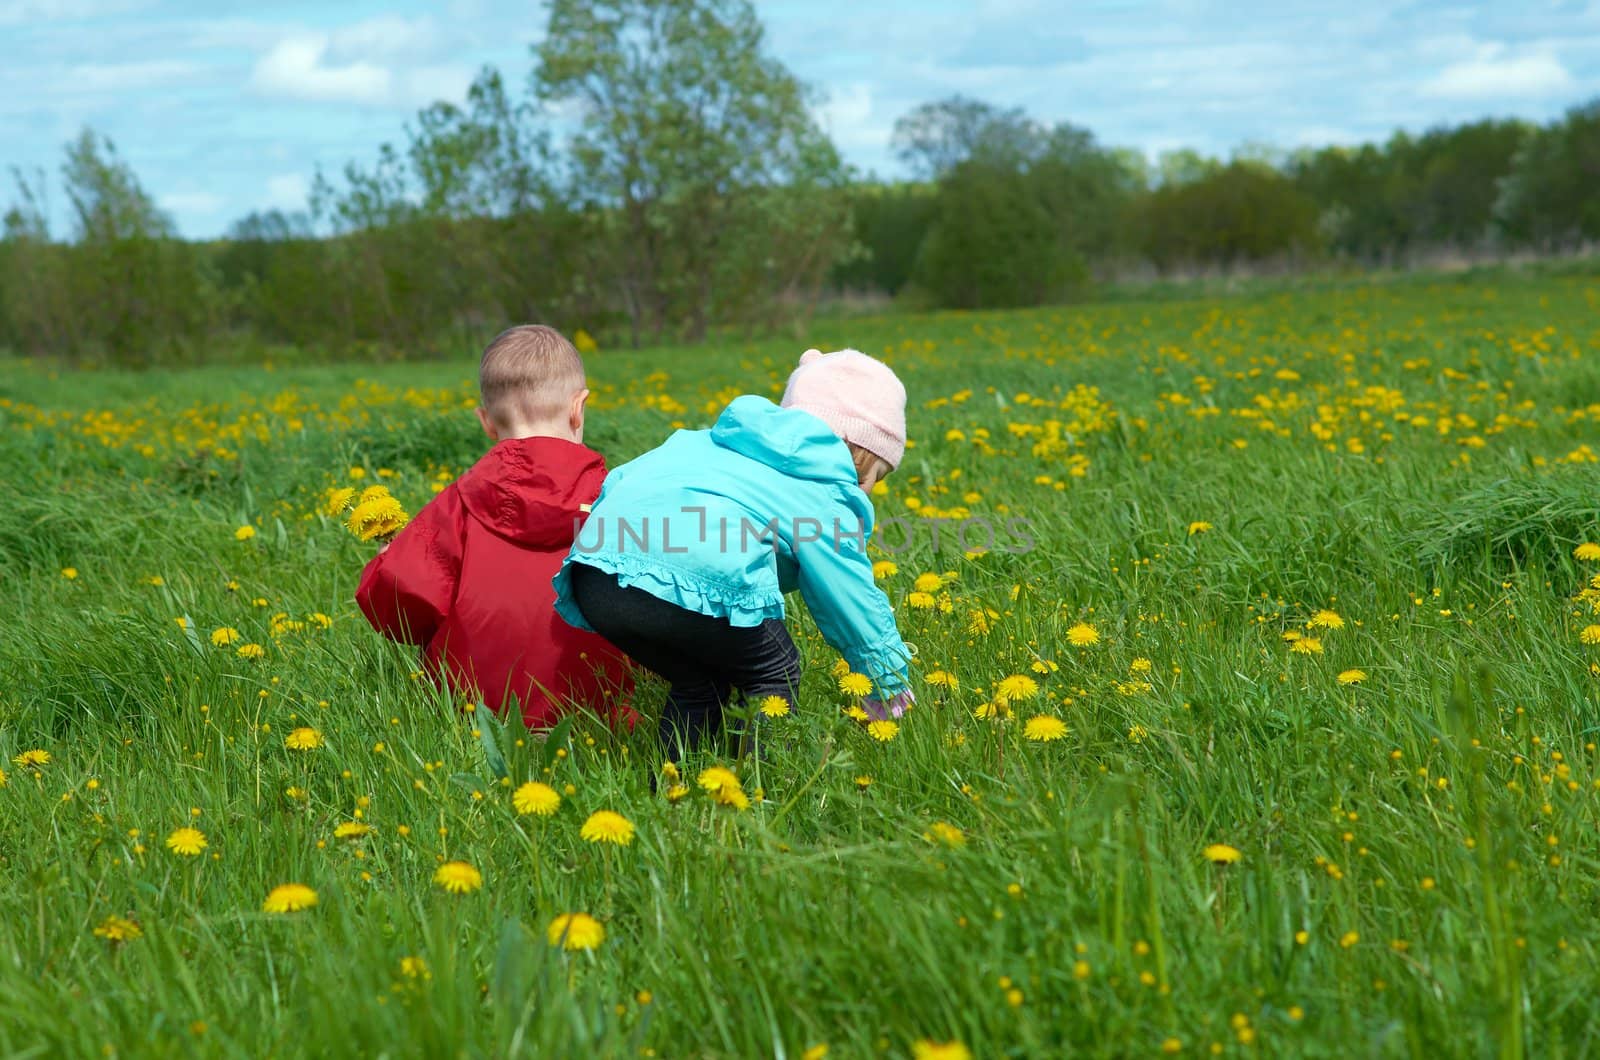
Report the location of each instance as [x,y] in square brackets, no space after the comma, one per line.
[1493,75]
[287,191]
[297,67]
[379,61]
[847,117]
[192,203]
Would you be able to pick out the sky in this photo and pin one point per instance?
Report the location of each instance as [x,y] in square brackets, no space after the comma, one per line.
[223,107]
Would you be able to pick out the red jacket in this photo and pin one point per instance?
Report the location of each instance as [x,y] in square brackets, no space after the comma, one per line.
[469,580]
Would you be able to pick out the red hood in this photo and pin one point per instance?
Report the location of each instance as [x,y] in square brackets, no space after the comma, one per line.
[533,490]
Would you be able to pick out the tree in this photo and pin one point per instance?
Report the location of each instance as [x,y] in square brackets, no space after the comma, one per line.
[686,131]
[1551,197]
[108,203]
[1021,207]
[36,313]
[992,244]
[128,288]
[1242,212]
[934,138]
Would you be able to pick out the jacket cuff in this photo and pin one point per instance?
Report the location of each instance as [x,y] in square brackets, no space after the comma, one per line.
[886,664]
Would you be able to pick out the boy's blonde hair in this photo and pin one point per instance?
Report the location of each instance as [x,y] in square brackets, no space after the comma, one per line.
[528,374]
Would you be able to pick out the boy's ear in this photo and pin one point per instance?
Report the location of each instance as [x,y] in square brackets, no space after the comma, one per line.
[487,424]
[575,412]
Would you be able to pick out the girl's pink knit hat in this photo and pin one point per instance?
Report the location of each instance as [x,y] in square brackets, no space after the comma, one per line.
[859,397]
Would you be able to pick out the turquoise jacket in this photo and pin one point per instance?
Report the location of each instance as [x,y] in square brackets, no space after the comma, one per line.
[726,521]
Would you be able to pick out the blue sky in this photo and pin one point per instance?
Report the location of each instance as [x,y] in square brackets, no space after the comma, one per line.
[225,106]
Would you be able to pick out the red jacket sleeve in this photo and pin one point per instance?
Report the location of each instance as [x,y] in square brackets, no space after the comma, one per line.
[407,589]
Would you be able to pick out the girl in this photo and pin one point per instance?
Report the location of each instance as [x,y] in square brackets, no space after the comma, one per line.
[689,550]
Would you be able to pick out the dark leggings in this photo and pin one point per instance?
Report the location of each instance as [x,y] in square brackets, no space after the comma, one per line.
[703,658]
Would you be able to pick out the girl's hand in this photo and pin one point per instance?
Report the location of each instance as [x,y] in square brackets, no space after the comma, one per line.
[882,710]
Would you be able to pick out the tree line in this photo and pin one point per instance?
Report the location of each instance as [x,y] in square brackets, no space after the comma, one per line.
[689,187]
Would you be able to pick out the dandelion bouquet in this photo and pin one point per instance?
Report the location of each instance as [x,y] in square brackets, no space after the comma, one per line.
[372,515]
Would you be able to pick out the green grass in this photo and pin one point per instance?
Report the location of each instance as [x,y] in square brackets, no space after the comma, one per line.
[1419,860]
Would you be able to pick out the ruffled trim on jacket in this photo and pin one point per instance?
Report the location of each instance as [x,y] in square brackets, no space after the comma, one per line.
[740,606]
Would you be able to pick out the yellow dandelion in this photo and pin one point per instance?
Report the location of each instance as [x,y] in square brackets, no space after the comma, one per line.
[608,826]
[337,500]
[415,968]
[1044,728]
[715,778]
[920,601]
[1587,551]
[119,929]
[992,709]
[1141,665]
[1590,635]
[376,517]
[677,793]
[942,679]
[1326,619]
[1306,646]
[69,573]
[946,833]
[1082,635]
[535,798]
[352,830]
[251,651]
[1198,527]
[223,636]
[187,842]
[244,533]
[289,898]
[1137,733]
[1352,677]
[928,583]
[1222,854]
[32,759]
[733,797]
[855,713]
[774,706]
[458,877]
[885,568]
[1016,687]
[854,684]
[928,1049]
[576,931]
[815,1052]
[883,731]
[304,738]
[3,779]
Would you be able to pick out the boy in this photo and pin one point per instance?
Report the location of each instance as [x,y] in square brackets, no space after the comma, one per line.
[469,578]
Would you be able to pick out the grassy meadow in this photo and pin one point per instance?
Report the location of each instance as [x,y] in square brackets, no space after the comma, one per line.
[1307,590]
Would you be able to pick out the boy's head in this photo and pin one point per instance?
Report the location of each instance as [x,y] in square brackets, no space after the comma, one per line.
[861,399]
[531,384]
